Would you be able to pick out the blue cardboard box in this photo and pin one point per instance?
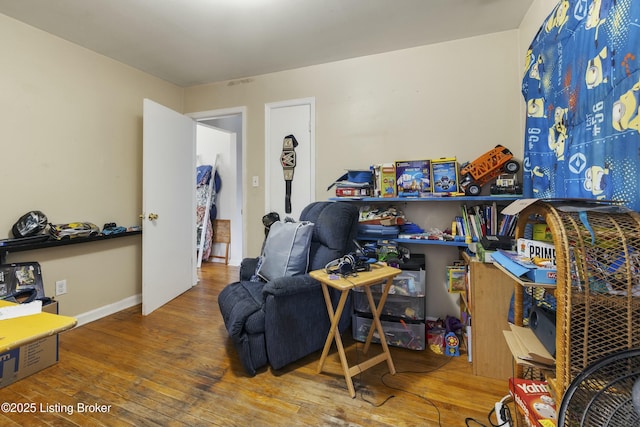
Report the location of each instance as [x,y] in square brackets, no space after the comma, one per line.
[444,174]
[521,266]
[413,178]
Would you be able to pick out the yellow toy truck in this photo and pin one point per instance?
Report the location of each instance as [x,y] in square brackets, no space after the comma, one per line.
[477,173]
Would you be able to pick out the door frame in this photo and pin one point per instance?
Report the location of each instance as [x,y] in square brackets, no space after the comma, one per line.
[241,144]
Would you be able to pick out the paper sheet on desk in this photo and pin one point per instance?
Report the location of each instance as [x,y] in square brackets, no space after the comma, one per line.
[20,310]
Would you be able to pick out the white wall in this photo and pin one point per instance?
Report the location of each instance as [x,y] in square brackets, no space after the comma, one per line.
[458,98]
[73,125]
[71,139]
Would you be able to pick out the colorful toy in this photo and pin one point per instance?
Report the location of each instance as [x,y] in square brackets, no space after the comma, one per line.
[453,344]
[506,183]
[477,173]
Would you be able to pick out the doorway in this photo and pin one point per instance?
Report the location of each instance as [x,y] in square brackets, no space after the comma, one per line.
[230,121]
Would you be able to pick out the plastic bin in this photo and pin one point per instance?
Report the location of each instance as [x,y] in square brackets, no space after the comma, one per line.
[398,333]
[396,305]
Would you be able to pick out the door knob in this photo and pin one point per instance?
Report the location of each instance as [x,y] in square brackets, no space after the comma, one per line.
[153,217]
[142,216]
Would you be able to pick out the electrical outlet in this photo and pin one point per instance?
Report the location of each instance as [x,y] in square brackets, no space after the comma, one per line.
[61,287]
[255,181]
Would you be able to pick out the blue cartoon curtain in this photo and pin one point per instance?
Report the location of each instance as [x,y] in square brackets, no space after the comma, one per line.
[582,89]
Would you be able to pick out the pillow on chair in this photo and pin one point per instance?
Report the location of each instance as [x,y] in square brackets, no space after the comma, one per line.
[286,251]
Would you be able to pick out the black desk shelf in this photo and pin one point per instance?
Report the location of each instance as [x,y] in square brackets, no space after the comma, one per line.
[4,250]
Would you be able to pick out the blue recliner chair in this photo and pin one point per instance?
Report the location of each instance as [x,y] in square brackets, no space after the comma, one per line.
[285,319]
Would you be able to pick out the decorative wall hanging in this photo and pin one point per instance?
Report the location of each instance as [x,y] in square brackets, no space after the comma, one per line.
[288,161]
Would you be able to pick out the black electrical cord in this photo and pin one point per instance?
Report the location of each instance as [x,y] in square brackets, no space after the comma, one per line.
[506,414]
[428,371]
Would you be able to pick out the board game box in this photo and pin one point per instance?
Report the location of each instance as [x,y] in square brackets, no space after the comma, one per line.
[534,402]
[444,175]
[413,178]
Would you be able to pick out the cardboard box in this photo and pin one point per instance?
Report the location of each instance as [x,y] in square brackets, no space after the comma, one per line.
[30,358]
[534,402]
[444,175]
[353,191]
[536,249]
[413,178]
[386,180]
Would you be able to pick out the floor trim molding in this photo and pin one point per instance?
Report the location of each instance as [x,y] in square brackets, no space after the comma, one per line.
[108,309]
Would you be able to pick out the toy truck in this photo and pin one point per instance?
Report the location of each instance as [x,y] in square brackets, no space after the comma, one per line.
[477,173]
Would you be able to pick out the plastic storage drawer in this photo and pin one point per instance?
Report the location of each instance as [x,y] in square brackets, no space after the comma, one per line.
[408,283]
[396,305]
[398,333]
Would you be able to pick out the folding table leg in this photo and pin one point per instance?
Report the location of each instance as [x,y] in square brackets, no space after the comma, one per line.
[334,335]
[377,325]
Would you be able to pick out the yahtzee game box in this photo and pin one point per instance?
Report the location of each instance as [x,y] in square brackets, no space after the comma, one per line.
[534,402]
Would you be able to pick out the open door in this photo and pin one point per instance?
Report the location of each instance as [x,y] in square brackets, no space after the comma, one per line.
[169,229]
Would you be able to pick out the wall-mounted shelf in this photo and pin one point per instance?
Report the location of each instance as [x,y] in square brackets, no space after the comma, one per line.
[421,241]
[4,250]
[458,199]
[496,198]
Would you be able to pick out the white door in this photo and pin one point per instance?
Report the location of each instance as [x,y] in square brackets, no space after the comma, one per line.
[294,117]
[168,205]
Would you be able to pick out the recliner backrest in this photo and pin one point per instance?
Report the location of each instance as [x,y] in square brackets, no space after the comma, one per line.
[334,231]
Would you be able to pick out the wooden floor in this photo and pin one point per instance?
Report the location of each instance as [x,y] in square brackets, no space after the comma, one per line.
[177,367]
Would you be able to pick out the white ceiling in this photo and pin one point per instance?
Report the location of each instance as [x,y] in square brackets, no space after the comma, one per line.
[190,42]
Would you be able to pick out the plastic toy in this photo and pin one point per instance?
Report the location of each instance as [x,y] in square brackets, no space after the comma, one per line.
[477,173]
[506,183]
[453,344]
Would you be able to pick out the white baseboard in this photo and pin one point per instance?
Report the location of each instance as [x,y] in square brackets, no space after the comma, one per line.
[109,309]
[232,261]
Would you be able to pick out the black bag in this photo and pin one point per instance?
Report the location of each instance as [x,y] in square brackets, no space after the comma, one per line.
[21,280]
[29,224]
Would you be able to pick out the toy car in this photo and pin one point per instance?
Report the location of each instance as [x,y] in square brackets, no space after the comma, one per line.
[477,173]
[506,184]
[73,230]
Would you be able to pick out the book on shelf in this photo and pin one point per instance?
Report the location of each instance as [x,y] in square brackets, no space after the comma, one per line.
[484,220]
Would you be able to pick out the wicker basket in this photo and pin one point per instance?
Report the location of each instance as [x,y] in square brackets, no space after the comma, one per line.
[598,262]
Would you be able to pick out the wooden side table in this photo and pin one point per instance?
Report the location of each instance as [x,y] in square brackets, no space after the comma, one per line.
[377,275]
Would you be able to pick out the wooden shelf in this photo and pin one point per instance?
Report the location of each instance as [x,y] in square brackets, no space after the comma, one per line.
[488,302]
[4,250]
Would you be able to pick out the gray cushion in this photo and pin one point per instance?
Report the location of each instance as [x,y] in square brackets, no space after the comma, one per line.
[286,251]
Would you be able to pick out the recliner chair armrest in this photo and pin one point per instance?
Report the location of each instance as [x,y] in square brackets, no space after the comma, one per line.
[248,268]
[290,285]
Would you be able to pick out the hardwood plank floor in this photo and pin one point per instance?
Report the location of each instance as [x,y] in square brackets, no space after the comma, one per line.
[177,367]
